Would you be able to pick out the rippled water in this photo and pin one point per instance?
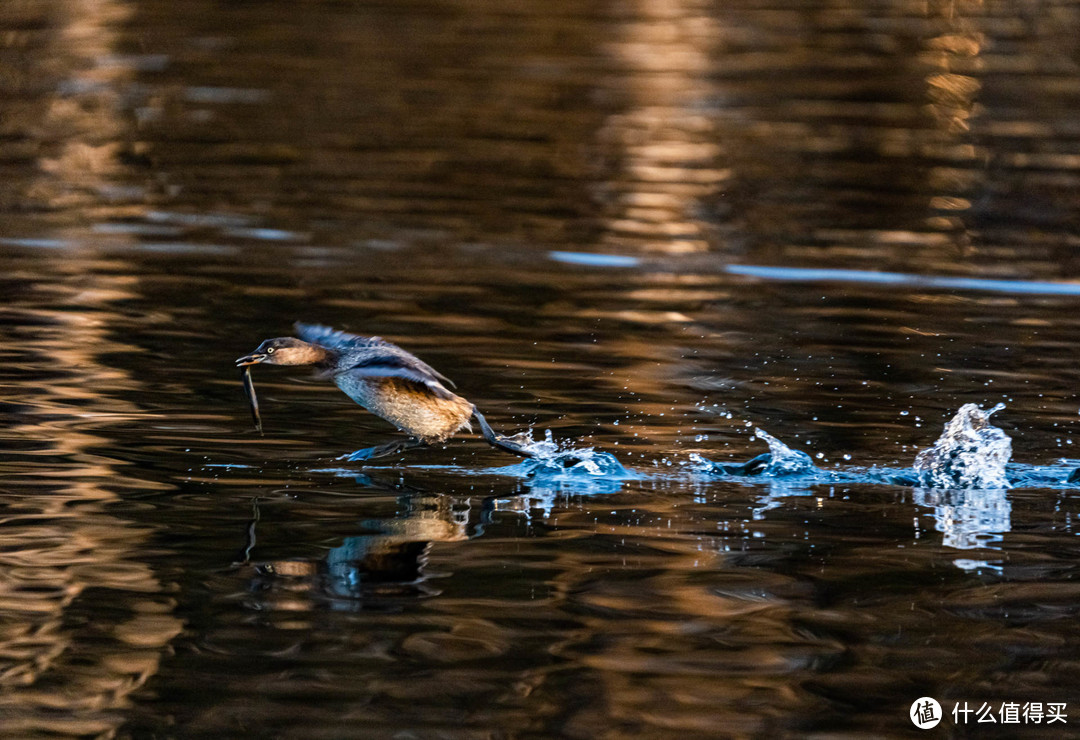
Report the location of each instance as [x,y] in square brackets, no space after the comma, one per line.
[651,228]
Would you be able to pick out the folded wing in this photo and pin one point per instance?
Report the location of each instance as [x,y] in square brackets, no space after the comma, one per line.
[390,366]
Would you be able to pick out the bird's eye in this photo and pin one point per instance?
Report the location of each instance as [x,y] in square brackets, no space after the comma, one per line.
[269,350]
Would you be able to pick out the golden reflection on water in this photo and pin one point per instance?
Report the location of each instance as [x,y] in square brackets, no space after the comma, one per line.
[953,57]
[652,645]
[64,552]
[665,148]
[63,549]
[644,621]
[79,127]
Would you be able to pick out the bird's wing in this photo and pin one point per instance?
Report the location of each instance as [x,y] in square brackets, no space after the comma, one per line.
[332,338]
[394,366]
[343,341]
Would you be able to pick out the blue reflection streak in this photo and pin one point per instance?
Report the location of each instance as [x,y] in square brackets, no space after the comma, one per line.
[592,259]
[948,282]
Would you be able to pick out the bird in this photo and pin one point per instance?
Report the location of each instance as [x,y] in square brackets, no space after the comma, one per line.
[388,381]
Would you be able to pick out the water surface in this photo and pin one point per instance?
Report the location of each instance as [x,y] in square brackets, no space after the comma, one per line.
[648,227]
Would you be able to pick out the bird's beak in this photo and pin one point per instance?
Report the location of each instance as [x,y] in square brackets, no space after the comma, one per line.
[252,359]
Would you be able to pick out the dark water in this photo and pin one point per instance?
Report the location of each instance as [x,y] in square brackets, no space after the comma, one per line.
[648,227]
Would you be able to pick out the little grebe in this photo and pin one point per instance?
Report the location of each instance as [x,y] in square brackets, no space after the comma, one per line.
[387,381]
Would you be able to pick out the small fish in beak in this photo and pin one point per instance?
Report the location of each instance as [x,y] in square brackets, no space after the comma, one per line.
[249,390]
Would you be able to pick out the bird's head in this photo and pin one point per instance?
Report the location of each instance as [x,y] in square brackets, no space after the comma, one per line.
[283,351]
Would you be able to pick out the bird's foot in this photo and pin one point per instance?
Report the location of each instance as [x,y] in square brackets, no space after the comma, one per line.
[390,448]
[519,444]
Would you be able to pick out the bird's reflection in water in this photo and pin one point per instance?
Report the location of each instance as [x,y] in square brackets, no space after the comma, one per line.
[387,561]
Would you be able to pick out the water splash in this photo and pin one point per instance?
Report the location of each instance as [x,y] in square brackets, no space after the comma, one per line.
[545,449]
[557,465]
[970,453]
[784,460]
[1063,474]
[779,462]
